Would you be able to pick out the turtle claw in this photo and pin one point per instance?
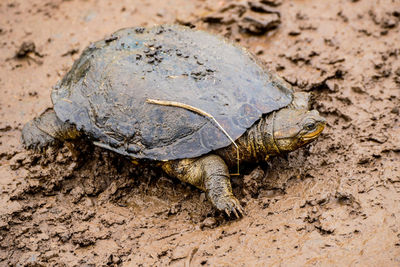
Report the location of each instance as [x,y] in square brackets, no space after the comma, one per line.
[228,212]
[231,206]
[236,213]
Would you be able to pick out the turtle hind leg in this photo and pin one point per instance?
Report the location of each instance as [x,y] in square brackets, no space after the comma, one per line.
[210,174]
[47,130]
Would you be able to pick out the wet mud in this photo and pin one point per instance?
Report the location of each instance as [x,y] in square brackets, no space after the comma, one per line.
[332,203]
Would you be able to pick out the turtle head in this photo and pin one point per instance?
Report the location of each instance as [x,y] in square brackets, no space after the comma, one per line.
[294,128]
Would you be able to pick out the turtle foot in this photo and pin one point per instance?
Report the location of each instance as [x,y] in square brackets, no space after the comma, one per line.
[230,205]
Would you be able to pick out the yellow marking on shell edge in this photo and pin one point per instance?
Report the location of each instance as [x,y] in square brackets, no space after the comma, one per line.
[135,162]
[201,112]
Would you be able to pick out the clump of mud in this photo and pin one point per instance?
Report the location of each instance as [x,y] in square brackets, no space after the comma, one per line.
[62,198]
[251,17]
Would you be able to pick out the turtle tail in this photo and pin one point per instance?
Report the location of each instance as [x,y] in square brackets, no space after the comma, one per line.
[46,130]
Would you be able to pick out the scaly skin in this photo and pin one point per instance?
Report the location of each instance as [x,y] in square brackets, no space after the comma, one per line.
[275,134]
[210,174]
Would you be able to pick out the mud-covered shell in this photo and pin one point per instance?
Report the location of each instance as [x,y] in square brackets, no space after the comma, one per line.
[105,92]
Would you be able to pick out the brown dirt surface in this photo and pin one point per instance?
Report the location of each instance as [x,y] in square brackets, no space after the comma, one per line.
[333,203]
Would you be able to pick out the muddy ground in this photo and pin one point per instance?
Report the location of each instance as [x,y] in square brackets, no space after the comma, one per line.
[333,203]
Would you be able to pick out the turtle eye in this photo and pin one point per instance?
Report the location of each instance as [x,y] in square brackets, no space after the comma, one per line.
[309,126]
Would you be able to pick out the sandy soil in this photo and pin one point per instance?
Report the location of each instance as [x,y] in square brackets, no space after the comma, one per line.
[333,203]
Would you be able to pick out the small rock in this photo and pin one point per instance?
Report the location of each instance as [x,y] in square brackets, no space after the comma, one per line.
[70,52]
[253,181]
[174,209]
[114,259]
[202,197]
[89,214]
[208,222]
[49,255]
[259,23]
[294,33]
[26,48]
[110,39]
[77,194]
[395,110]
[110,219]
[3,224]
[259,50]
[83,240]
[358,89]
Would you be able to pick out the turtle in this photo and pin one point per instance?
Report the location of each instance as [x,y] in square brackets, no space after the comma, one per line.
[190,101]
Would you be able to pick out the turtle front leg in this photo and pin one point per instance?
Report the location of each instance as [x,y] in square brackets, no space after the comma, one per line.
[210,174]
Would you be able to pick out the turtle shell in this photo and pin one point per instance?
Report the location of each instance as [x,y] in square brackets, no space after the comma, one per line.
[104,94]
